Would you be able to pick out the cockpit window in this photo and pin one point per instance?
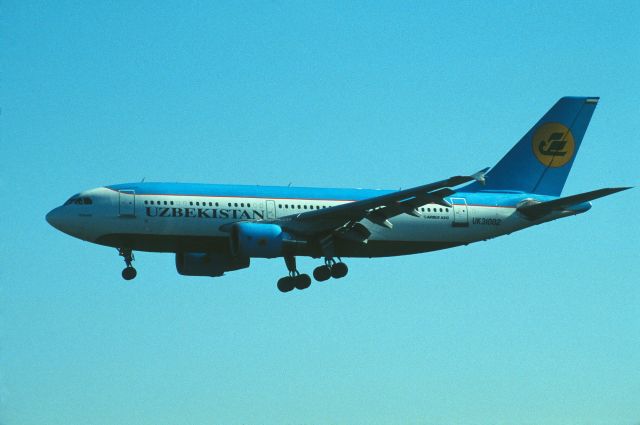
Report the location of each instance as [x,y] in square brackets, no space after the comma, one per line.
[77,200]
[71,200]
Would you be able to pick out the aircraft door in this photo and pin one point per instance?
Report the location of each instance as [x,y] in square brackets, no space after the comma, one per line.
[270,209]
[460,212]
[127,203]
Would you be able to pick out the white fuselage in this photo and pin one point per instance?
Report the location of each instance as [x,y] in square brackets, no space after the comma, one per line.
[191,223]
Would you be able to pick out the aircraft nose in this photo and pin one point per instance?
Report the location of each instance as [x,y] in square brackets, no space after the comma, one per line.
[54,218]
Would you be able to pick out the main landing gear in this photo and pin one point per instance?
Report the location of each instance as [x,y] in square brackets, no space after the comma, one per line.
[128,272]
[331,269]
[295,280]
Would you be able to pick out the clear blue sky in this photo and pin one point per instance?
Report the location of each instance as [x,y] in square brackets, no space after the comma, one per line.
[542,326]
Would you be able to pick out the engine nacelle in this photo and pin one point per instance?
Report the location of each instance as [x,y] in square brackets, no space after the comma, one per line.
[262,241]
[208,264]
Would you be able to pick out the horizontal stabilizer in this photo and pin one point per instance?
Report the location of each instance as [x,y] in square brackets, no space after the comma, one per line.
[538,210]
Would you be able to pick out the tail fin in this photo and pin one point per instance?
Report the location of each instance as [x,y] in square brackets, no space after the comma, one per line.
[541,160]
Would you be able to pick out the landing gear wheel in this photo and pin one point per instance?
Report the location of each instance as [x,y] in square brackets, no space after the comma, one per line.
[286,284]
[322,273]
[302,281]
[339,270]
[129,273]
[295,279]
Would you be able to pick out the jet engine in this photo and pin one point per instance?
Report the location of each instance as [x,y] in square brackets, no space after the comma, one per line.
[260,240]
[208,264]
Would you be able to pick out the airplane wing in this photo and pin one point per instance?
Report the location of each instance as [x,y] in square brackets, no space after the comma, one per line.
[538,210]
[378,209]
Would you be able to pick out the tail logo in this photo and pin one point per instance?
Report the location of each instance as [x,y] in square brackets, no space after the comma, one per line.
[553,145]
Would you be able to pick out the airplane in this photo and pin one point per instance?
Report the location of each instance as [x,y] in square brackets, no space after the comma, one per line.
[213,229]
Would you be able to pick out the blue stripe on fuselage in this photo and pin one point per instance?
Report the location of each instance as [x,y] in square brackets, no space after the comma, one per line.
[497,199]
[246,191]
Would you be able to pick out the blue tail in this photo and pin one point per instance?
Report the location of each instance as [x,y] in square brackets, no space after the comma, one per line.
[541,160]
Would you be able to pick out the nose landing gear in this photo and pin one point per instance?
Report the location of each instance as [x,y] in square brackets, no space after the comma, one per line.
[129,272]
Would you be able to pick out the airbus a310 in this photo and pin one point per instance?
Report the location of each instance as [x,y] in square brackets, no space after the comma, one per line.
[213,229]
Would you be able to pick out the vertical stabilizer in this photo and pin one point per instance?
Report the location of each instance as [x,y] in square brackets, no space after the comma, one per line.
[540,162]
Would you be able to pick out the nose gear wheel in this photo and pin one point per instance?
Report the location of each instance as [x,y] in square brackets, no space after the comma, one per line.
[129,272]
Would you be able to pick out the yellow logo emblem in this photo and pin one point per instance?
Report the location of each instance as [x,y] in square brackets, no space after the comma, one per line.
[553,144]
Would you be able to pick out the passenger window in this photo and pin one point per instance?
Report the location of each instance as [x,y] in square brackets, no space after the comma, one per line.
[171,202]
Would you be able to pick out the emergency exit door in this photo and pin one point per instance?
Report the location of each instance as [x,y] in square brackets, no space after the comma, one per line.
[127,203]
[271,209]
[460,212]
